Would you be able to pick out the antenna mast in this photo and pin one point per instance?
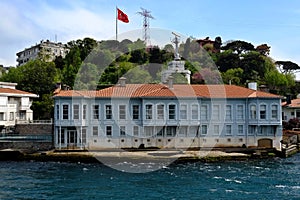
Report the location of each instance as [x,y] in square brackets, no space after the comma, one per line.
[146,14]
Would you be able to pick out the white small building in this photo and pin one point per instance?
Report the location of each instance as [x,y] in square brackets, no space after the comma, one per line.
[14,105]
[291,109]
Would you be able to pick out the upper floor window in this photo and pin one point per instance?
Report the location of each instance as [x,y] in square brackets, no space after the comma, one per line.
[149,111]
[65,111]
[253,112]
[108,112]
[122,112]
[204,112]
[263,111]
[76,111]
[228,112]
[84,112]
[135,111]
[57,111]
[274,111]
[195,111]
[172,111]
[240,112]
[183,111]
[216,112]
[96,111]
[160,111]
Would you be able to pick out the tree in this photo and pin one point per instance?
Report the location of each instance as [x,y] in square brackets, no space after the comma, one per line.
[233,76]
[239,46]
[227,60]
[263,49]
[287,66]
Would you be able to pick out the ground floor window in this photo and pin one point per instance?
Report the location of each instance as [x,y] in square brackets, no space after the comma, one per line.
[136,131]
[148,131]
[171,131]
[108,131]
[183,130]
[160,131]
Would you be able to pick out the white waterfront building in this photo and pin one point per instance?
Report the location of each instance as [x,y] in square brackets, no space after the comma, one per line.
[167,116]
[14,105]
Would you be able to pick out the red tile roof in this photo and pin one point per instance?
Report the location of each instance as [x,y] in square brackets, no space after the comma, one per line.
[15,92]
[295,103]
[159,90]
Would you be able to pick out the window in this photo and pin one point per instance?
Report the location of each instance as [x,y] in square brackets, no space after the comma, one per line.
[11,116]
[216,112]
[148,111]
[240,112]
[135,111]
[160,131]
[84,112]
[172,113]
[65,111]
[83,133]
[253,112]
[95,111]
[122,112]
[136,131]
[1,116]
[171,131]
[216,129]
[95,130]
[148,131]
[194,131]
[76,111]
[22,114]
[228,112]
[240,129]
[122,131]
[263,130]
[108,112]
[160,111]
[108,131]
[195,111]
[183,130]
[274,111]
[228,130]
[204,112]
[204,129]
[183,111]
[57,111]
[252,129]
[262,111]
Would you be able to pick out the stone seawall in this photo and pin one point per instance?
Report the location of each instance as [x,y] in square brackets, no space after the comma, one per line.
[34,129]
[26,145]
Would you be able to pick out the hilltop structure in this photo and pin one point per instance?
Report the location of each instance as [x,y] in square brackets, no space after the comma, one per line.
[46,49]
[176,66]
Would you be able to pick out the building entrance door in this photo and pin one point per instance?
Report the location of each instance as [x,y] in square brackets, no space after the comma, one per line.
[72,138]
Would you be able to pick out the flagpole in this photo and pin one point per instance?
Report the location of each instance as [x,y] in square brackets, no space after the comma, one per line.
[116,23]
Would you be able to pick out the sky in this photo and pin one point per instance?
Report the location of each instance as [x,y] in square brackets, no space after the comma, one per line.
[24,23]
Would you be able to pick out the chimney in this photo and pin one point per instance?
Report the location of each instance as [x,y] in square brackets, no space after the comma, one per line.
[252,85]
[288,99]
[122,81]
[170,82]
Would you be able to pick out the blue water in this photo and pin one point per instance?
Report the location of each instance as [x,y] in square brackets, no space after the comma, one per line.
[256,179]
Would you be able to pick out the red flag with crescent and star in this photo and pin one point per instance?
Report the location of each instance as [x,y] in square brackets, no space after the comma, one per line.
[122,16]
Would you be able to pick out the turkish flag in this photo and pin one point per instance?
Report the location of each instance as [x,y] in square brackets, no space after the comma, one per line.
[122,16]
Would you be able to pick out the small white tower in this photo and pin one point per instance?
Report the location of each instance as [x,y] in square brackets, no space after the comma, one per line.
[177,65]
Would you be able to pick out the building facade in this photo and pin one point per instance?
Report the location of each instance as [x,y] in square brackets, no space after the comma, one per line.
[47,49]
[173,116]
[14,105]
[291,109]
